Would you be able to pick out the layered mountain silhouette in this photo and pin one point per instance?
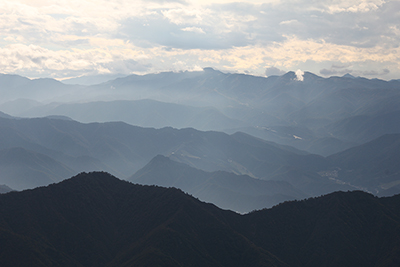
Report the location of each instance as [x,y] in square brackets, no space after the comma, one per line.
[145,113]
[122,149]
[301,137]
[36,152]
[95,219]
[14,87]
[21,168]
[319,115]
[240,193]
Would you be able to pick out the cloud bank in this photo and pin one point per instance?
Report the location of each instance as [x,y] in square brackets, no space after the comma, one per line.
[68,38]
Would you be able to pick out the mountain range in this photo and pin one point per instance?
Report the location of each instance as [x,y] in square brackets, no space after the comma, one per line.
[315,134]
[320,115]
[144,113]
[123,149]
[227,190]
[218,169]
[40,151]
[95,219]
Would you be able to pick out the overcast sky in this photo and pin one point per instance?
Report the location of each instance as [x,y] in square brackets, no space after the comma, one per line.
[69,38]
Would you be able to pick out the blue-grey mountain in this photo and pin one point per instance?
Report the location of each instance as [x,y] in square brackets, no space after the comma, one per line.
[320,115]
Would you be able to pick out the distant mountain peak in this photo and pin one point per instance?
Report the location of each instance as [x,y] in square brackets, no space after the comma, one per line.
[93,79]
[160,158]
[5,115]
[5,189]
[91,176]
[208,69]
[348,75]
[211,70]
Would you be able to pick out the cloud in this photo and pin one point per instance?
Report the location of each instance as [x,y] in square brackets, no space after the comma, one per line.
[341,66]
[193,29]
[171,31]
[354,6]
[169,1]
[34,60]
[271,71]
[335,35]
[299,75]
[289,22]
[374,72]
[240,23]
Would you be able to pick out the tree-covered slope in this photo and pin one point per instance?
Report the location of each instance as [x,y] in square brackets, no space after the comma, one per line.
[95,219]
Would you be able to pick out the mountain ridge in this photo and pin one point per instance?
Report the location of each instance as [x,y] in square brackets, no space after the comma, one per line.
[123,149]
[325,107]
[239,193]
[97,219]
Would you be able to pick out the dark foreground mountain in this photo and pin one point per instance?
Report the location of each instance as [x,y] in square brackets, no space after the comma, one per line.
[339,229]
[227,190]
[97,220]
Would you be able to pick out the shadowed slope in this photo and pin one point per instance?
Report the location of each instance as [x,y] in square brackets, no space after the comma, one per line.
[339,229]
[97,220]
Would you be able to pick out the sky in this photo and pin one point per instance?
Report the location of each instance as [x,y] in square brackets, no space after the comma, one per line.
[70,38]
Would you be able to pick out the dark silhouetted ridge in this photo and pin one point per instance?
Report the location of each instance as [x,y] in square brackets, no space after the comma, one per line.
[95,219]
[339,229]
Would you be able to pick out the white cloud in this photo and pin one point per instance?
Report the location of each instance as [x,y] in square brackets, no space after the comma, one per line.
[299,75]
[359,6]
[193,29]
[33,60]
[184,16]
[288,22]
